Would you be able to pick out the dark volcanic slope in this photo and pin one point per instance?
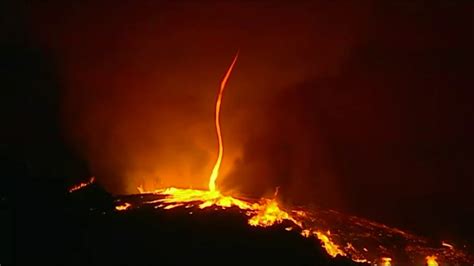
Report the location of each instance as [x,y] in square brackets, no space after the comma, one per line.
[153,236]
[84,228]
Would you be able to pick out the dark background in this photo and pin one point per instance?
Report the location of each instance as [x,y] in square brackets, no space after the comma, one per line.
[363,107]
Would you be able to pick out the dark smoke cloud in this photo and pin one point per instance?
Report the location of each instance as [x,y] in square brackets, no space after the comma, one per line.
[363,107]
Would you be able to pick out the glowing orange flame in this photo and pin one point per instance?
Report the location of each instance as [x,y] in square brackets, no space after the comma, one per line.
[386,261]
[431,261]
[217,165]
[305,232]
[268,213]
[206,197]
[81,185]
[331,248]
[123,207]
[265,213]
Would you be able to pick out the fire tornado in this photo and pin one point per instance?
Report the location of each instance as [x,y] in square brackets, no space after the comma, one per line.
[220,154]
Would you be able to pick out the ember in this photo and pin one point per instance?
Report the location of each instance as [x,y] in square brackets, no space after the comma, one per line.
[123,207]
[82,185]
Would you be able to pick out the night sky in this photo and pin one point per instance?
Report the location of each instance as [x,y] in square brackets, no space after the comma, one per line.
[360,106]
